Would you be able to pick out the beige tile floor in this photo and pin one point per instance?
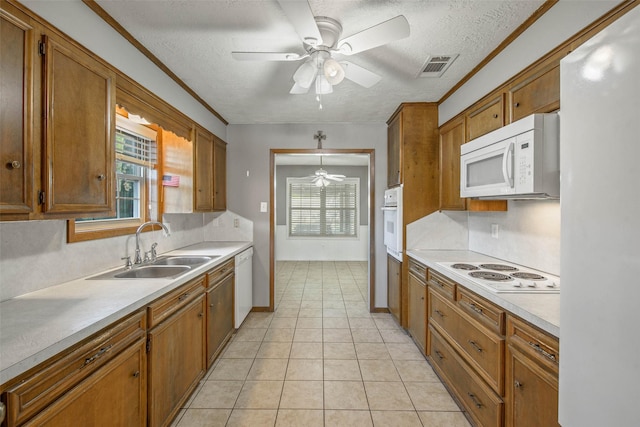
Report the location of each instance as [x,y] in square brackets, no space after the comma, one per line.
[321,359]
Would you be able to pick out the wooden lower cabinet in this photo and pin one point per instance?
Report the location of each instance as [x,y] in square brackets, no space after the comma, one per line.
[176,360]
[394,290]
[115,395]
[220,310]
[531,377]
[418,304]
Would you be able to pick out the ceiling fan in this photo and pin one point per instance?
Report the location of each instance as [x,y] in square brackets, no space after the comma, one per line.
[321,40]
[321,178]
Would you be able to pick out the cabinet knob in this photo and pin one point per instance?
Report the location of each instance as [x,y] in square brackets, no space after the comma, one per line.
[517,104]
[101,177]
[200,314]
[15,164]
[136,374]
[518,384]
[495,116]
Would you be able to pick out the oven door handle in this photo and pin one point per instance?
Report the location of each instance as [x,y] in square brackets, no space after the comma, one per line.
[389,208]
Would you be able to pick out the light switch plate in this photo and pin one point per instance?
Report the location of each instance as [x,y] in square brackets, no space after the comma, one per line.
[263,206]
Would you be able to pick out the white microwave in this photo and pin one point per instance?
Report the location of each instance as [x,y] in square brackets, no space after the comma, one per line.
[518,161]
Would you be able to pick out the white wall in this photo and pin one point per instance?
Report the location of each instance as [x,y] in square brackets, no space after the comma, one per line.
[80,23]
[315,249]
[563,20]
[249,150]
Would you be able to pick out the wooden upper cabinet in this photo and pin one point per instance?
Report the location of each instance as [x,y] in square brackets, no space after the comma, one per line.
[539,93]
[394,151]
[219,174]
[80,95]
[203,170]
[485,118]
[17,51]
[451,138]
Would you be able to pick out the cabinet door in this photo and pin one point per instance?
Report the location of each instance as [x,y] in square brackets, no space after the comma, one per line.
[203,173]
[484,119]
[219,316]
[394,270]
[219,175]
[394,147]
[418,312]
[539,94]
[79,131]
[451,138]
[176,361]
[16,121]
[114,395]
[532,392]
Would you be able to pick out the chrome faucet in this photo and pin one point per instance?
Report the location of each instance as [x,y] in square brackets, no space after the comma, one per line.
[138,258]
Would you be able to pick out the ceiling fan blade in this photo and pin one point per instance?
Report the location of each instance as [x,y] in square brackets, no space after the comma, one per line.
[335,178]
[298,90]
[267,56]
[394,29]
[360,75]
[300,14]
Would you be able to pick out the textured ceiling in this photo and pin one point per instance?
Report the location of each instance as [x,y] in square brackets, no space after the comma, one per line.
[195,40]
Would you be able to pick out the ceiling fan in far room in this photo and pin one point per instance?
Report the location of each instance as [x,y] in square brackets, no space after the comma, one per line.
[321,178]
[321,40]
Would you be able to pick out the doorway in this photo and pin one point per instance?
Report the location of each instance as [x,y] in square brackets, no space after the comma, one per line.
[312,157]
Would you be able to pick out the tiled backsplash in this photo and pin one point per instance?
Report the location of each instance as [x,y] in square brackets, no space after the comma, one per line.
[35,254]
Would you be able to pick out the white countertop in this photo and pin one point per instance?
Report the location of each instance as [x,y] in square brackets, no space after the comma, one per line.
[36,326]
[541,310]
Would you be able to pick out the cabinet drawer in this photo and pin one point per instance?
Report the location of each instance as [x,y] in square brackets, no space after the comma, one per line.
[481,310]
[218,273]
[482,404]
[441,283]
[47,384]
[486,118]
[483,349]
[541,347]
[418,270]
[173,301]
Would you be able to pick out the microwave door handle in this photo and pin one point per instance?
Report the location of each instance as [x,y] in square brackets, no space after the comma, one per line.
[507,164]
[389,208]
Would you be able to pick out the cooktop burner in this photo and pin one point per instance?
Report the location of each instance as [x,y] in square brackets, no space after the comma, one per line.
[528,276]
[490,275]
[498,267]
[465,267]
[504,277]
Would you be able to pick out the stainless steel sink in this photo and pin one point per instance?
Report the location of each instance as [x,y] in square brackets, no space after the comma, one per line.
[153,272]
[184,260]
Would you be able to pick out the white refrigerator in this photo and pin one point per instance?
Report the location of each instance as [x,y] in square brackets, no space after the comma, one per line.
[600,229]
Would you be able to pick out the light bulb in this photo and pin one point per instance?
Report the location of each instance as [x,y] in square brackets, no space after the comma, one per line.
[333,71]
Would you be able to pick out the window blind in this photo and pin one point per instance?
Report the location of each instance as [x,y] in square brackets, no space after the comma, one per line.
[134,148]
[330,211]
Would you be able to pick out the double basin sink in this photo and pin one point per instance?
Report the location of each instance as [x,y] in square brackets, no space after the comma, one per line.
[162,268]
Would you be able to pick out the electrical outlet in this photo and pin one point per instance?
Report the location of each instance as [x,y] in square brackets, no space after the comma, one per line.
[495,231]
[236,222]
[263,206]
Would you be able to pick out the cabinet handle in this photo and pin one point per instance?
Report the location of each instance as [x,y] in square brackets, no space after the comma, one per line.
[542,351]
[101,177]
[200,314]
[440,356]
[99,354]
[495,116]
[14,164]
[422,298]
[475,346]
[518,384]
[517,104]
[136,374]
[437,283]
[183,296]
[212,305]
[475,400]
[439,313]
[476,307]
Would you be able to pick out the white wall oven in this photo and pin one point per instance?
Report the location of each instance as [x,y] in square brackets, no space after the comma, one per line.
[392,211]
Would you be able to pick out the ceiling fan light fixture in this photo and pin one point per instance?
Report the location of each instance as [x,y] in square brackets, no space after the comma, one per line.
[323,86]
[333,71]
[305,74]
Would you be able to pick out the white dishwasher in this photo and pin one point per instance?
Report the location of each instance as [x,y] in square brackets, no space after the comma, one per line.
[243,286]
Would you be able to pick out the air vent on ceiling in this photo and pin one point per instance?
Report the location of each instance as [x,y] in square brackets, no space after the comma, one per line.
[437,65]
